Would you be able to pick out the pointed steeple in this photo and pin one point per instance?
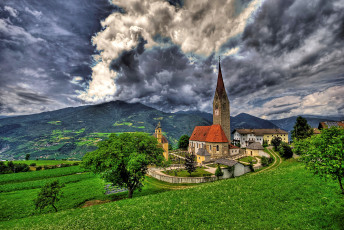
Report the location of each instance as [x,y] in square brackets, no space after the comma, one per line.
[220,88]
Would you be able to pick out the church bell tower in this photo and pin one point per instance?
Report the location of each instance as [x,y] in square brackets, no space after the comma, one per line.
[221,112]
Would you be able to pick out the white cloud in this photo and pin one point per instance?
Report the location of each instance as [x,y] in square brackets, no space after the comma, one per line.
[199,27]
[35,13]
[13,12]
[16,32]
[327,102]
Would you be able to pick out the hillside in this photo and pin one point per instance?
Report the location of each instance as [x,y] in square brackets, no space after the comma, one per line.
[70,132]
[288,197]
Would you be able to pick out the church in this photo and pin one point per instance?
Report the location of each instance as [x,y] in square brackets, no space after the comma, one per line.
[211,142]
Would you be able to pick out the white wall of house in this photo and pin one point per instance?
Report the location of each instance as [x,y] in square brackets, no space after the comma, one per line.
[245,138]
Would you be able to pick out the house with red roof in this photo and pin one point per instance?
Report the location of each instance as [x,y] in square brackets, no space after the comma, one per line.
[210,142]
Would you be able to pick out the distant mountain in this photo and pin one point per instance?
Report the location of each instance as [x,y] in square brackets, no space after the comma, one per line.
[247,121]
[242,120]
[313,120]
[71,132]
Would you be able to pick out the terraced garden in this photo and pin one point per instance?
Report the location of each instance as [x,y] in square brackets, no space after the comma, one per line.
[283,197]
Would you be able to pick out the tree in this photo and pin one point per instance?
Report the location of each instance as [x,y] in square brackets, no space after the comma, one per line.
[276,141]
[27,157]
[301,129]
[183,142]
[50,194]
[190,163]
[265,161]
[123,159]
[323,154]
[218,172]
[285,150]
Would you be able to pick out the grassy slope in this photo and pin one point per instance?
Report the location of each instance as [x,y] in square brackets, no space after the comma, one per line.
[288,197]
[46,162]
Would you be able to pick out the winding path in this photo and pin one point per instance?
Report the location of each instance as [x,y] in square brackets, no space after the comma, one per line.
[278,160]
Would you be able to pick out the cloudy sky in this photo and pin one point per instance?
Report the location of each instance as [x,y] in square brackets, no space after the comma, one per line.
[279,58]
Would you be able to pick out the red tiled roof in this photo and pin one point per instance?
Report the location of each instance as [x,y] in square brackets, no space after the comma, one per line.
[233,146]
[212,133]
[199,133]
[216,134]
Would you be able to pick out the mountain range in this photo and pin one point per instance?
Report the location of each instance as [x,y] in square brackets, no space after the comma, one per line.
[71,132]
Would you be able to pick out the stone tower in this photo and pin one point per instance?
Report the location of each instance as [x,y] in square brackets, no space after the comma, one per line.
[221,112]
[158,133]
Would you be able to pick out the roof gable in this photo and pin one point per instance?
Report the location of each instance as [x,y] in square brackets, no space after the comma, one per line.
[199,133]
[212,133]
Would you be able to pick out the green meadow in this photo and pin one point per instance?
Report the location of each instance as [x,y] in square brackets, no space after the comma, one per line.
[285,197]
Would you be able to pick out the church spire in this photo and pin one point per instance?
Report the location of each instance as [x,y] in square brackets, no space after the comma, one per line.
[220,86]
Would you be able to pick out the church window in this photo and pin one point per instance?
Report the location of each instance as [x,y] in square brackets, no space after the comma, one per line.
[217,148]
[210,147]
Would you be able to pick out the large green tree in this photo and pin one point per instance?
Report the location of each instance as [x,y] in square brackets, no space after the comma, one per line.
[183,142]
[301,129]
[324,154]
[123,159]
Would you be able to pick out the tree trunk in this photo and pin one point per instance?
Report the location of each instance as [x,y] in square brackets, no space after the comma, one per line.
[54,207]
[340,184]
[130,192]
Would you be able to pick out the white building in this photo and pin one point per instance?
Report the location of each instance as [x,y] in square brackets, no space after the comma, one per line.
[248,136]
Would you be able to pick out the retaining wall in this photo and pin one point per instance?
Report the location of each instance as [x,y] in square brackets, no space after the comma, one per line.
[180,180]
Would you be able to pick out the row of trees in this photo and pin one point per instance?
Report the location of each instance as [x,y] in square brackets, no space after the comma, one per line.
[10,167]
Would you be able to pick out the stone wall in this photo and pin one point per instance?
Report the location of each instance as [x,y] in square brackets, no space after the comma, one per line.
[179,180]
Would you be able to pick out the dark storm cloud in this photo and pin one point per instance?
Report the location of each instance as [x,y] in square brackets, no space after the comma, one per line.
[44,46]
[290,47]
[163,78]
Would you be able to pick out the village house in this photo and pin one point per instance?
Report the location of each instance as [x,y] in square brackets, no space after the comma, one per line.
[245,137]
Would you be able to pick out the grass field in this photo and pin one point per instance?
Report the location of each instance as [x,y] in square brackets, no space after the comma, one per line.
[18,190]
[287,197]
[46,162]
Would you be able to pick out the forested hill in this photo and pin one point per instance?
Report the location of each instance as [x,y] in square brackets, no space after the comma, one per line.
[70,132]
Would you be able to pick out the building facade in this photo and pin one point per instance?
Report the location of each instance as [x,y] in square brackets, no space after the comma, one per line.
[248,136]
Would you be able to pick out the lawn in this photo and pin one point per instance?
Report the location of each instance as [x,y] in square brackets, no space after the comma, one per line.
[200,172]
[288,197]
[17,191]
[46,162]
[248,159]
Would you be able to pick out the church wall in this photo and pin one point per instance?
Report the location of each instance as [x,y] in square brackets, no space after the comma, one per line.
[223,149]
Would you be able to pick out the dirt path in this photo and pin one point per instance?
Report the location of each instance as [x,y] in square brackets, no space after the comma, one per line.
[278,160]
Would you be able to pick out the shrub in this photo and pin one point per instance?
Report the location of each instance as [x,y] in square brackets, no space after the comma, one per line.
[218,172]
[33,164]
[265,161]
[285,150]
[38,168]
